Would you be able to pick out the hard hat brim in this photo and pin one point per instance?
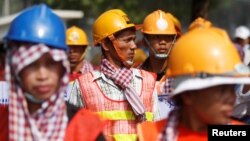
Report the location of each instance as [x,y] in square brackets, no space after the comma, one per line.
[202,83]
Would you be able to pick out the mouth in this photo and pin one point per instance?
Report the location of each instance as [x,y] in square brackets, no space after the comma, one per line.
[162,51]
[228,113]
[131,56]
[43,88]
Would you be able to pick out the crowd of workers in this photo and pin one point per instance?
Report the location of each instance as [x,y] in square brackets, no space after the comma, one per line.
[185,82]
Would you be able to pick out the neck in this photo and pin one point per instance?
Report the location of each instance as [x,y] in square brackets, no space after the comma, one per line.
[116,62]
[191,121]
[75,68]
[32,107]
[157,64]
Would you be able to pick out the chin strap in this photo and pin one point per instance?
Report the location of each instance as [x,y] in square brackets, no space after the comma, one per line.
[84,54]
[33,99]
[160,55]
[119,53]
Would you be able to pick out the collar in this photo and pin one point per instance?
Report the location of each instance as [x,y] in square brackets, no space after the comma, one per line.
[99,75]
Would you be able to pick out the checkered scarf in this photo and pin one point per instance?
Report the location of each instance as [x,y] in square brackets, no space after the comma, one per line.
[170,133]
[167,86]
[123,77]
[48,122]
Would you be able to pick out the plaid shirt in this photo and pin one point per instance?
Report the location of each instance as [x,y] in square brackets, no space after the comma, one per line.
[113,92]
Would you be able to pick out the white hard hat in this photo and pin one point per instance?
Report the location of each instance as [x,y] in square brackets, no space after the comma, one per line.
[183,84]
[242,32]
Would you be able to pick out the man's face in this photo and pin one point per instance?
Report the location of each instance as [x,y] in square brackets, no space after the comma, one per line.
[212,105]
[160,43]
[75,54]
[126,43]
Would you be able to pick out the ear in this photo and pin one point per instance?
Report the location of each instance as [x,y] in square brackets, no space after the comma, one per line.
[104,45]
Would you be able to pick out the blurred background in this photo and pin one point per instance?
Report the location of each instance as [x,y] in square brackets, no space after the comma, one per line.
[227,14]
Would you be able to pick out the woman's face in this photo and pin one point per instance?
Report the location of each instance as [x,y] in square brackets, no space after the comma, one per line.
[212,105]
[41,79]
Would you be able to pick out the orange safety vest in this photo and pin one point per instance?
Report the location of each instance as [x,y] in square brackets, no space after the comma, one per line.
[122,125]
[150,131]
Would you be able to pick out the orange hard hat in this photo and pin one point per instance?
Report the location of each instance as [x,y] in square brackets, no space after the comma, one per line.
[158,22]
[203,58]
[200,23]
[109,23]
[140,57]
[206,50]
[76,36]
[177,23]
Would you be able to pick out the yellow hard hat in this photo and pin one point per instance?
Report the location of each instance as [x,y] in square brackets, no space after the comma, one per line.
[177,23]
[109,23]
[76,36]
[206,50]
[203,58]
[200,23]
[158,22]
[140,57]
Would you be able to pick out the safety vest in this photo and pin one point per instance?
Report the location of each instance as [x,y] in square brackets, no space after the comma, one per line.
[122,125]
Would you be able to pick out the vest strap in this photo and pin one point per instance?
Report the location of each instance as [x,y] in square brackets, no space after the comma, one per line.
[122,115]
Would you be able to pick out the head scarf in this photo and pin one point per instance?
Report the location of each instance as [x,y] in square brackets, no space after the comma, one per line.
[50,120]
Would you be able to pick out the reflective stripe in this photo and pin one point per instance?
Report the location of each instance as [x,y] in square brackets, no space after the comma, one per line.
[125,137]
[123,115]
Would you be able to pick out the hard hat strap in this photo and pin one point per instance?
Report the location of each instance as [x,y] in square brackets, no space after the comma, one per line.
[83,54]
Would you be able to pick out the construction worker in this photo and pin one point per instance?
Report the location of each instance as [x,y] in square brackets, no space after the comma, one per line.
[78,43]
[159,35]
[203,86]
[124,95]
[241,41]
[37,74]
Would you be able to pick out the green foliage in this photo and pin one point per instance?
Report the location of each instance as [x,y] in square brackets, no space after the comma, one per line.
[136,9]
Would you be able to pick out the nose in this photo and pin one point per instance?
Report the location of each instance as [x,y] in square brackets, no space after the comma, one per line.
[42,73]
[133,45]
[230,98]
[163,41]
[71,50]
